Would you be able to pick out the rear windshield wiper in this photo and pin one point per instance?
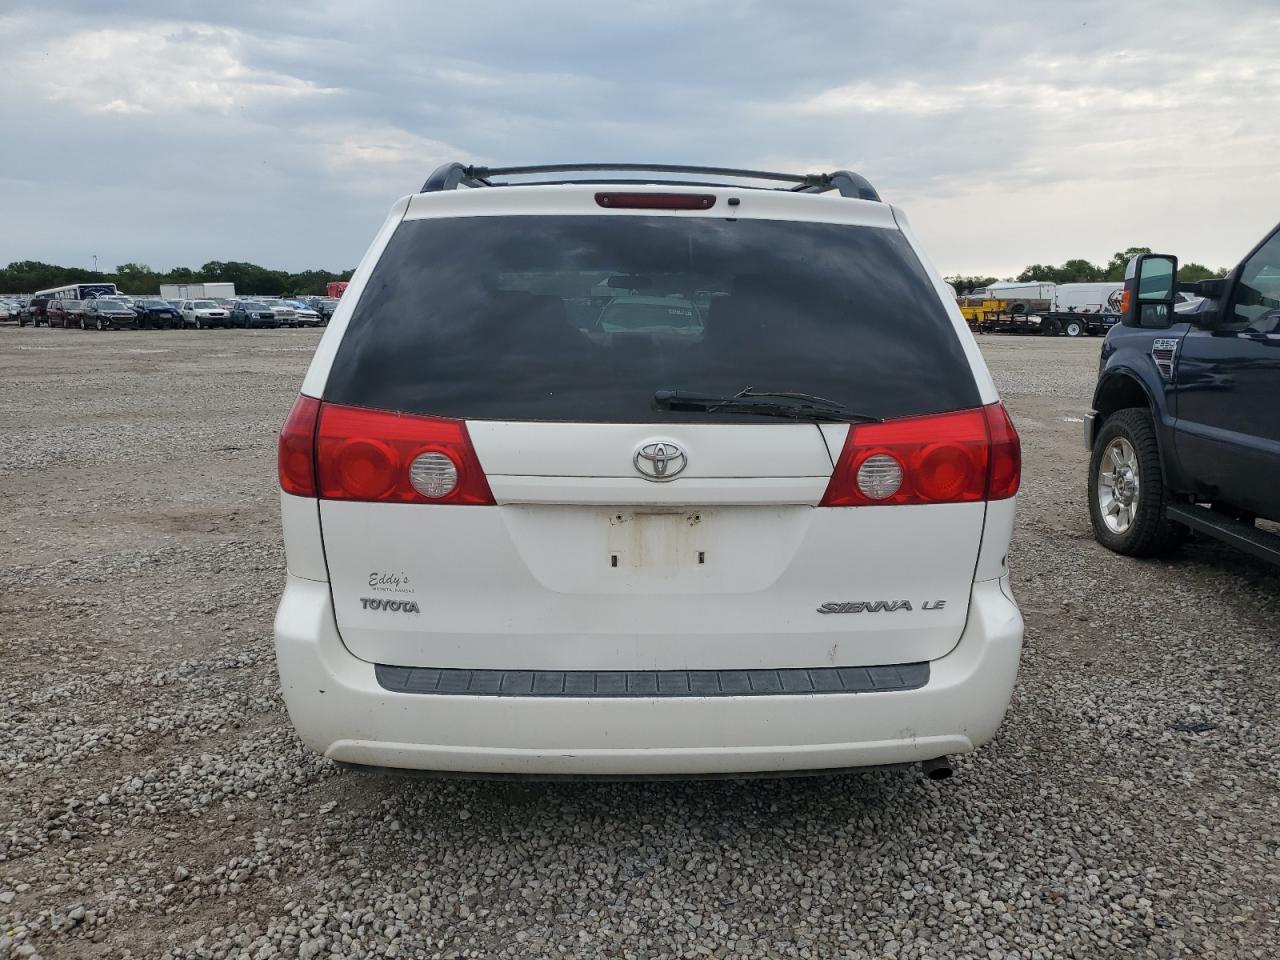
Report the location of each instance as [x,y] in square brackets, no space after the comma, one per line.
[796,406]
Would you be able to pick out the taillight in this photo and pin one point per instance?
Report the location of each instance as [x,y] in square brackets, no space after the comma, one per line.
[295,458]
[657,201]
[1005,473]
[959,457]
[382,457]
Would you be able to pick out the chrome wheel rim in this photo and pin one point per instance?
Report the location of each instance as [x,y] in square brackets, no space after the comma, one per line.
[1118,485]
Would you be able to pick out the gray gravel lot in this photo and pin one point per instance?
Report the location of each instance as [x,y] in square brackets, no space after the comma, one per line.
[154,801]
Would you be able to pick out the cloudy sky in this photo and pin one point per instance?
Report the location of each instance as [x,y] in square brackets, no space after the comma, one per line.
[173,133]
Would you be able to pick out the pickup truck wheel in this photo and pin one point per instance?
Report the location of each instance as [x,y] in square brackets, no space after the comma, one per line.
[1073,328]
[1127,495]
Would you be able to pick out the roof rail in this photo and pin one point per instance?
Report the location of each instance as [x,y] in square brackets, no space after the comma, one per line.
[450,176]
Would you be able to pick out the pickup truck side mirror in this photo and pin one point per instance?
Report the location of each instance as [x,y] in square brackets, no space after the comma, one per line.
[1149,284]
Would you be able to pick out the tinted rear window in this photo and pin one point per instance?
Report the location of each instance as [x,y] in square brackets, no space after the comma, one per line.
[582,318]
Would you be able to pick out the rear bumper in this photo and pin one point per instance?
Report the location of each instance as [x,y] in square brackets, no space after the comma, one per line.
[339,709]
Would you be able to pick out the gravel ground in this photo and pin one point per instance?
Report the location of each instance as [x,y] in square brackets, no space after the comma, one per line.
[154,801]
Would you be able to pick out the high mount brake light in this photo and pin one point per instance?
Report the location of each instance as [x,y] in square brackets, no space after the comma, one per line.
[373,455]
[960,457]
[657,201]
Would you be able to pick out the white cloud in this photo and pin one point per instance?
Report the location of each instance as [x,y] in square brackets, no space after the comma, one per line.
[161,68]
[380,161]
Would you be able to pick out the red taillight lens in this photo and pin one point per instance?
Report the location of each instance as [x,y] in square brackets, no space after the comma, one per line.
[370,455]
[295,459]
[957,457]
[1005,473]
[657,201]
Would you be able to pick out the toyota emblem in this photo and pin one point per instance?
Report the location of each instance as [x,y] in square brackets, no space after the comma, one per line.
[660,460]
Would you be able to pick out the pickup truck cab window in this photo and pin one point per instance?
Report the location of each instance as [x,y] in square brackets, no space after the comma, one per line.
[1255,301]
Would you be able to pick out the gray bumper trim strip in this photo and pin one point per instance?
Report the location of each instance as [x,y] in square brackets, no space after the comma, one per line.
[652,684]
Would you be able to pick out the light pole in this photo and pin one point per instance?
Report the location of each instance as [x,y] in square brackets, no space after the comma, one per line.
[95,263]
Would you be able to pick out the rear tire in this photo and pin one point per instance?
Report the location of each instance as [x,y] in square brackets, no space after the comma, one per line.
[1051,328]
[1073,328]
[1127,493]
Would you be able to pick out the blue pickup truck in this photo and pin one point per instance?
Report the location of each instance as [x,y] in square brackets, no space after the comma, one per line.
[1184,433]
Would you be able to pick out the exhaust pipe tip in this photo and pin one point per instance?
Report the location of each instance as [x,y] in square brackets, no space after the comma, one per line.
[936,769]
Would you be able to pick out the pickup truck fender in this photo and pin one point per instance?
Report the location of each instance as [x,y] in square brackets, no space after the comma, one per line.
[1124,383]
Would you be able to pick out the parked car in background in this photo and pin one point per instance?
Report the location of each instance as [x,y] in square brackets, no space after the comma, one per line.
[108,314]
[157,313]
[66,313]
[7,310]
[37,312]
[253,313]
[323,306]
[1184,434]
[285,314]
[304,316]
[202,314]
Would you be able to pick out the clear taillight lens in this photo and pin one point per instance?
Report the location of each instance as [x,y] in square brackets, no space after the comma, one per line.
[433,474]
[880,477]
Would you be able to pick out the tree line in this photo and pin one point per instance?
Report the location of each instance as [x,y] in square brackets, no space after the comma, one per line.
[27,276]
[1082,271]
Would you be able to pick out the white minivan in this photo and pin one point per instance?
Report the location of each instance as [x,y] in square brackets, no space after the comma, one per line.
[659,471]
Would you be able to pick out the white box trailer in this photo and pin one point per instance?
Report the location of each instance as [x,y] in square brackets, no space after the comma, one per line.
[1088,297]
[197,291]
[1016,290]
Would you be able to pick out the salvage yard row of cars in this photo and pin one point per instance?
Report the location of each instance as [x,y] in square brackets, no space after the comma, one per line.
[120,312]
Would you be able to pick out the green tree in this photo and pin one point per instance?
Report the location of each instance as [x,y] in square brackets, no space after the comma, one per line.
[1191,271]
[963,285]
[1037,272]
[1073,271]
[1079,271]
[1120,260]
[27,276]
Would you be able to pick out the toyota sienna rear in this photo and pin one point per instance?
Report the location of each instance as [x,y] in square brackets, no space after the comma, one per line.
[625,477]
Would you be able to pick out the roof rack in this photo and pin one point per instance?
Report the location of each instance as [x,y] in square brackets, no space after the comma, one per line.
[450,176]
